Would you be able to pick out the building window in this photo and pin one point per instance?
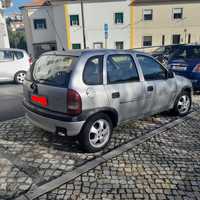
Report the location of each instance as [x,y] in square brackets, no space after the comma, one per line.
[40,23]
[147,41]
[176,39]
[163,40]
[119,45]
[98,45]
[148,14]
[189,38]
[178,13]
[74,20]
[76,46]
[119,18]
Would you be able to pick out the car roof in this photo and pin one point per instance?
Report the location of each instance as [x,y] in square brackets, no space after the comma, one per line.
[89,51]
[11,49]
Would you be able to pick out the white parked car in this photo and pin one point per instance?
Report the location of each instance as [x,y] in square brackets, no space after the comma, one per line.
[14,63]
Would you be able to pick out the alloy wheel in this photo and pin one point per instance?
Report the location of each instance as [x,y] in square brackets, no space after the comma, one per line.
[99,133]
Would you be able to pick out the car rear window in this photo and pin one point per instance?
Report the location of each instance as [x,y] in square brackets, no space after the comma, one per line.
[54,69]
[190,52]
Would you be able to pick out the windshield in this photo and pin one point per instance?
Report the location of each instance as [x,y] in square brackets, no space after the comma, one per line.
[54,69]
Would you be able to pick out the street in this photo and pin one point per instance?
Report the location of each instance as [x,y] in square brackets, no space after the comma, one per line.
[10,101]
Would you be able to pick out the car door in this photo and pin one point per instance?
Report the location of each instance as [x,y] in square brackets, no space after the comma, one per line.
[160,88]
[124,88]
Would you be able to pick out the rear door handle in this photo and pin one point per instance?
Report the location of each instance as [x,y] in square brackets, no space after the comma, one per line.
[150,88]
[115,95]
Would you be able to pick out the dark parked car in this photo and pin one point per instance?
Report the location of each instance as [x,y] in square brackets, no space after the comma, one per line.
[185,61]
[162,53]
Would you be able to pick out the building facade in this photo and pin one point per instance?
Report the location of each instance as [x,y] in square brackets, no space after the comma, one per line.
[121,24]
[163,22]
[15,21]
[107,24]
[4,40]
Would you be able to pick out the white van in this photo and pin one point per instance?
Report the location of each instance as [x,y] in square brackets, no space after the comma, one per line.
[14,63]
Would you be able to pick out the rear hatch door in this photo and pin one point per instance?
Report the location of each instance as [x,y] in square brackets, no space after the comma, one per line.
[47,82]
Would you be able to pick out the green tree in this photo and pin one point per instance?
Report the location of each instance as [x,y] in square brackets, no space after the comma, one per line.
[17,38]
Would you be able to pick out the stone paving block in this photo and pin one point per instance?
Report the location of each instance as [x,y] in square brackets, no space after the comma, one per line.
[164,167]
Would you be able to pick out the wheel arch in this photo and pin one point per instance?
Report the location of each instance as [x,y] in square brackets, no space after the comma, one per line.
[112,114]
[187,89]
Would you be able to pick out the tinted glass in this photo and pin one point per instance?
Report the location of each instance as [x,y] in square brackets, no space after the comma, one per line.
[19,55]
[152,70]
[121,68]
[147,41]
[93,72]
[188,52]
[54,70]
[74,20]
[40,23]
[148,14]
[119,18]
[6,55]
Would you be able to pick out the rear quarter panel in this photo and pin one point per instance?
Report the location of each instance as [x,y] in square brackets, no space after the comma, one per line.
[92,96]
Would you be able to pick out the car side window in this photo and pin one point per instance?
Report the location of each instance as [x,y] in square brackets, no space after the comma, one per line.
[93,71]
[19,55]
[6,55]
[151,69]
[121,69]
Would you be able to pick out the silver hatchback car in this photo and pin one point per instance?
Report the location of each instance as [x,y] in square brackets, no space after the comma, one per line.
[88,93]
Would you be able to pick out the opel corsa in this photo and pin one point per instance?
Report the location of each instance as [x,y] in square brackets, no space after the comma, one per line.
[88,93]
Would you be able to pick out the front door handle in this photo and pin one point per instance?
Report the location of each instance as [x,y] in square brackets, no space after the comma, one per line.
[150,88]
[115,95]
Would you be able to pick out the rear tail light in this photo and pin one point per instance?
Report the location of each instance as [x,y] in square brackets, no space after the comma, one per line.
[30,61]
[74,104]
[197,68]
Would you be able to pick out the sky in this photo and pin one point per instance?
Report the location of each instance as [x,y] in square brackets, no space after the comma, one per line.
[16,4]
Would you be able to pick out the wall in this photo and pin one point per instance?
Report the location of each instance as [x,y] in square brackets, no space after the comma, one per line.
[164,24]
[42,35]
[4,40]
[96,15]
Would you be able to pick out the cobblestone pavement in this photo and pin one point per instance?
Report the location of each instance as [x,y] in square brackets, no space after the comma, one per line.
[166,166]
[41,157]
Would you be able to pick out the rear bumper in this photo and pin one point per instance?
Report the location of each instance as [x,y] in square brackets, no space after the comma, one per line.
[72,128]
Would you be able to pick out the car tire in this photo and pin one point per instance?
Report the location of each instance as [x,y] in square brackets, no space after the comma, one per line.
[182,104]
[96,133]
[20,77]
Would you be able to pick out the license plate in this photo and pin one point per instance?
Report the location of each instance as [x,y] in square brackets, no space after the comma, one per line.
[41,100]
[179,68]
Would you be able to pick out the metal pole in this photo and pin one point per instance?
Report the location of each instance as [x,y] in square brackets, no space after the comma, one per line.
[83,24]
